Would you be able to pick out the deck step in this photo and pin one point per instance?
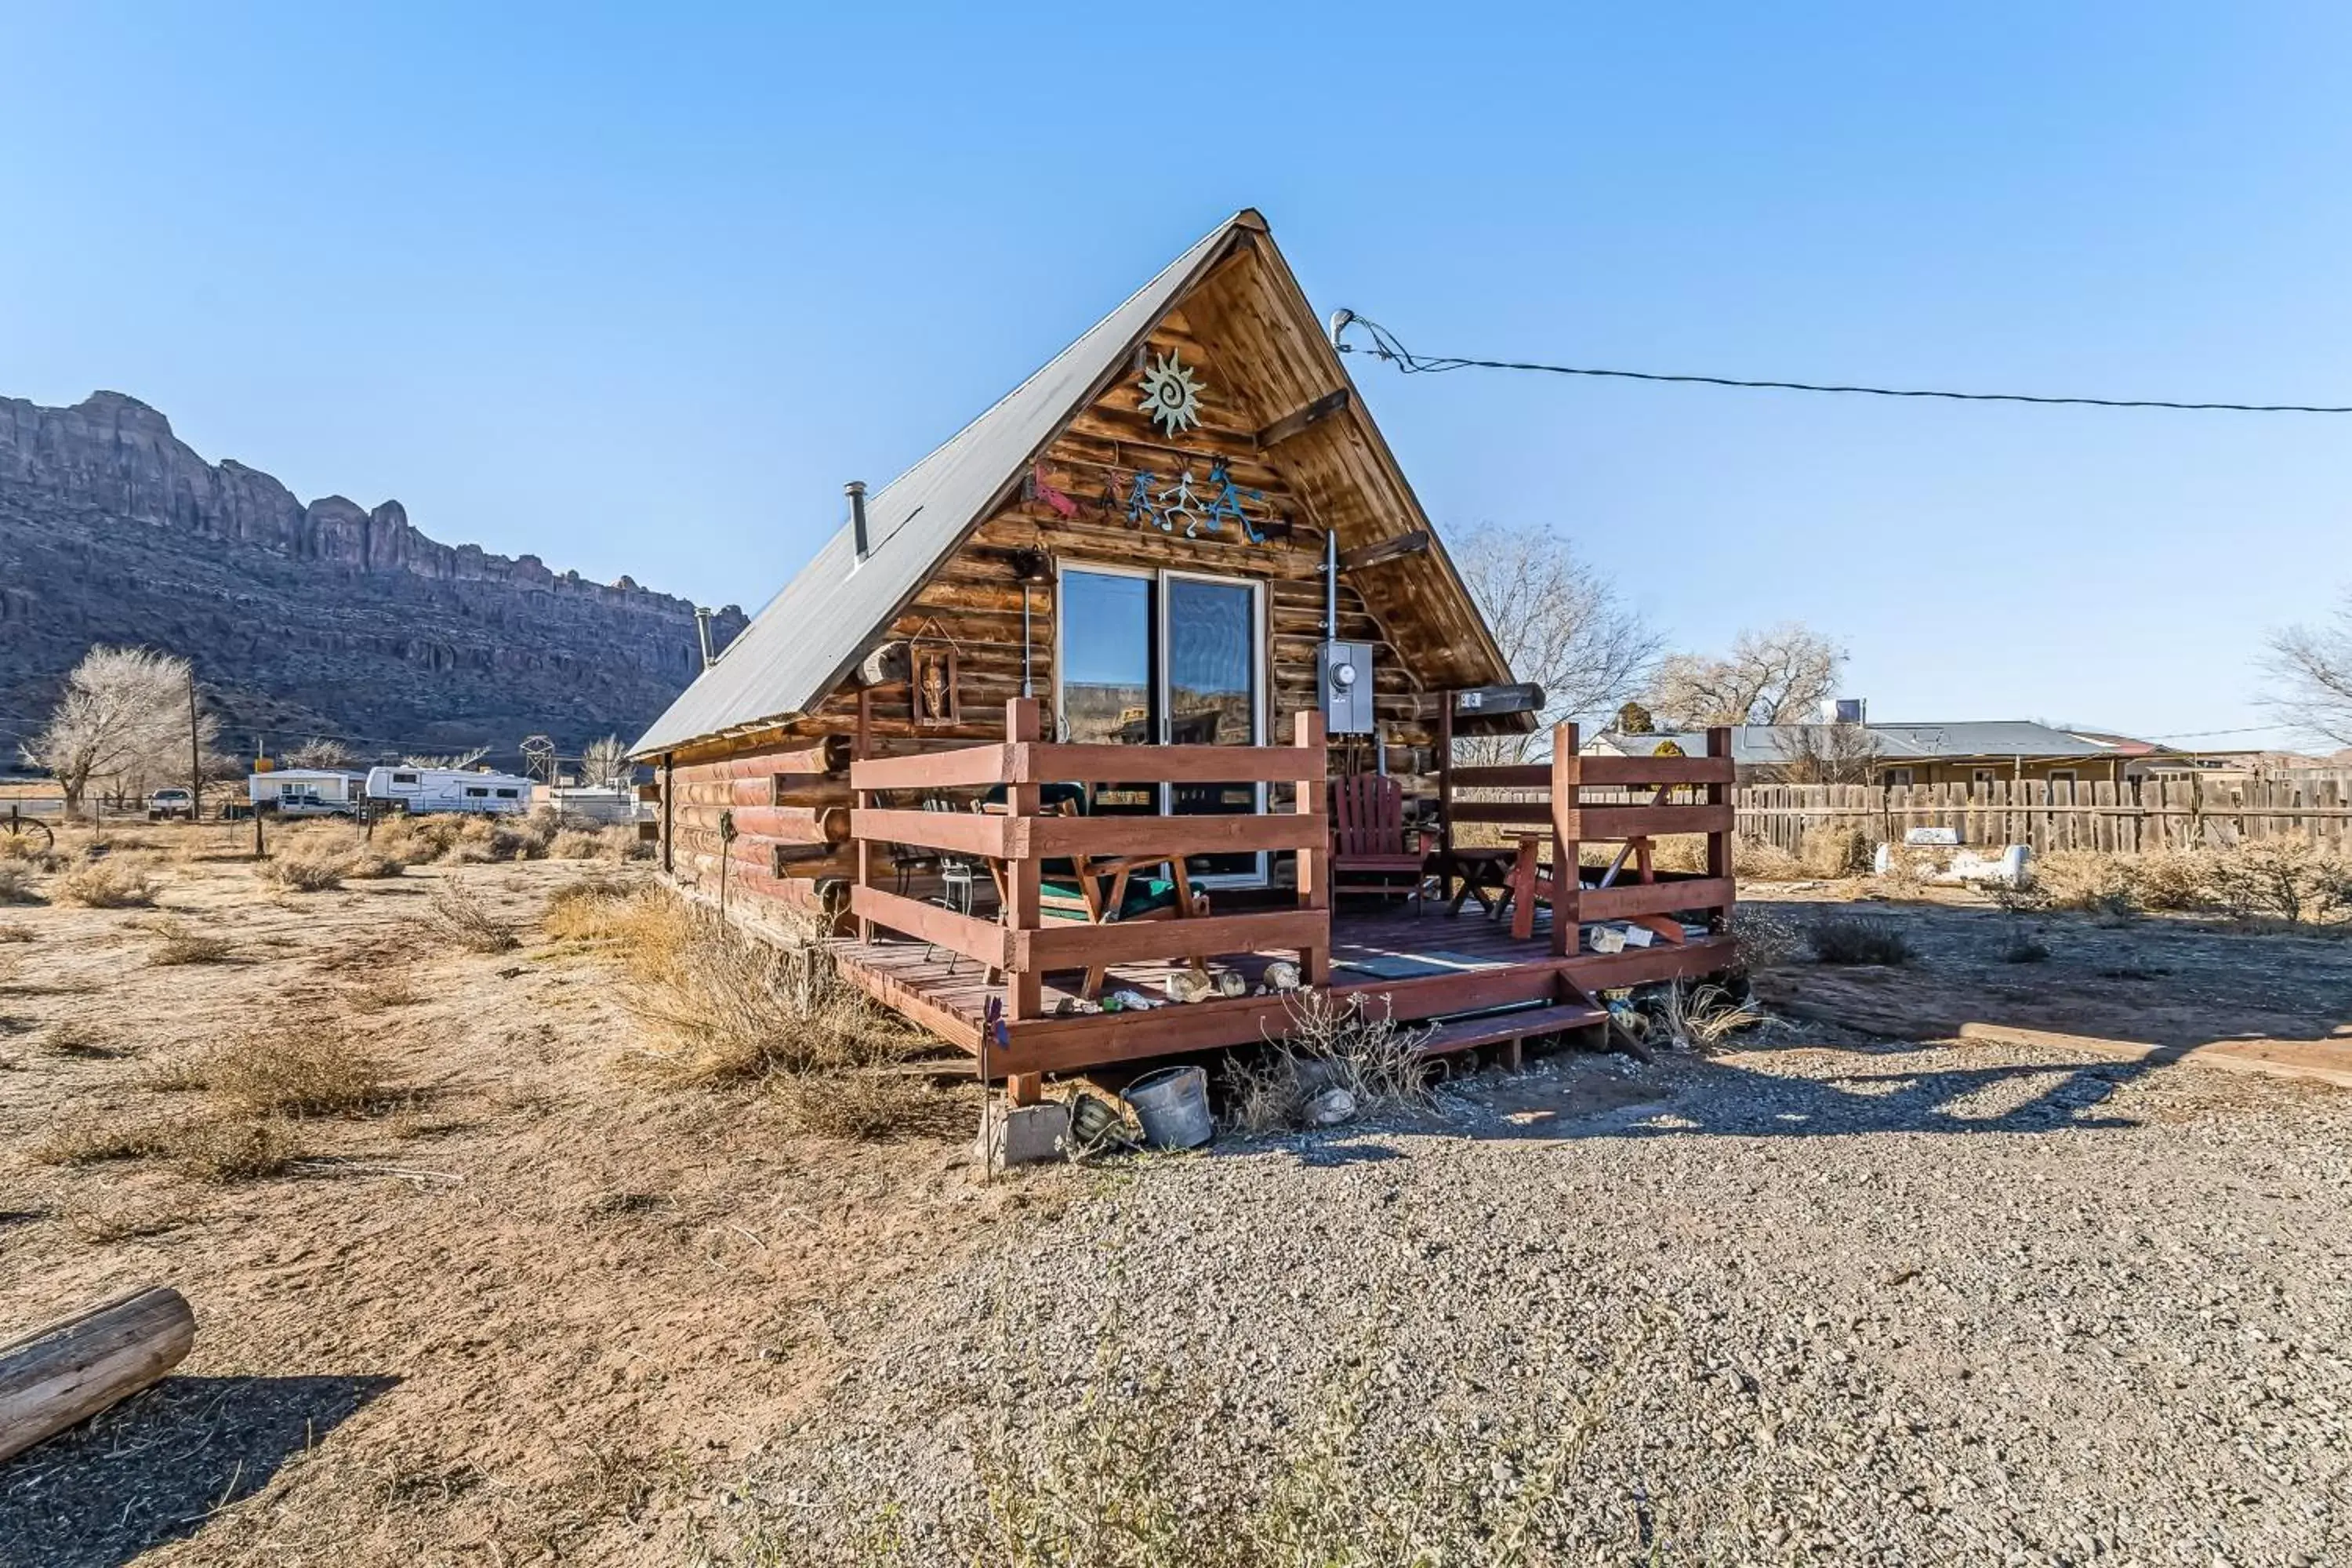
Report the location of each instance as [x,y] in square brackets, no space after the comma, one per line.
[1468,1034]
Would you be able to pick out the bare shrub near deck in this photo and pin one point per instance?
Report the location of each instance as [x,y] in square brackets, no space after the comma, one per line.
[1694,1018]
[868,1105]
[458,915]
[1858,939]
[2289,879]
[17,883]
[590,908]
[1764,938]
[2087,880]
[114,883]
[1832,852]
[1329,1045]
[724,1005]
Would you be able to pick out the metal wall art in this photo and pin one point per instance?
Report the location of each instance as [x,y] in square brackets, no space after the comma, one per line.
[1172,394]
[1195,507]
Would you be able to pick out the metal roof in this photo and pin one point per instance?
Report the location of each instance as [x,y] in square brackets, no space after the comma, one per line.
[1770,745]
[805,642]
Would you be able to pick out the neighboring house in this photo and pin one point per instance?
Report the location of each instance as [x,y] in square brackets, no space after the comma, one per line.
[296,791]
[1136,534]
[1987,750]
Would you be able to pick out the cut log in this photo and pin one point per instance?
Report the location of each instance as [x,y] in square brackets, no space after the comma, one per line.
[886,665]
[68,1371]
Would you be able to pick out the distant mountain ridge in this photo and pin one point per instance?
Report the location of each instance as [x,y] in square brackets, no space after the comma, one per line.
[325,617]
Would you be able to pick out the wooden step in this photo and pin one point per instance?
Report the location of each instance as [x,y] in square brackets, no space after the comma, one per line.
[1469,1034]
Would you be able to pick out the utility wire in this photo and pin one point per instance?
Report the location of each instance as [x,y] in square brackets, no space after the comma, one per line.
[1385,346]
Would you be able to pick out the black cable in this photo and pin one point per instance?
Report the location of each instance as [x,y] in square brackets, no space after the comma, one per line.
[1386,346]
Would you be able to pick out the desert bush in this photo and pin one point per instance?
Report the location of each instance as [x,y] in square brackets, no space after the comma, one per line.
[1765,938]
[590,909]
[1695,1017]
[1858,939]
[1329,1045]
[377,993]
[867,1105]
[724,1005]
[292,1067]
[368,864]
[458,915]
[14,931]
[2173,880]
[17,883]
[113,883]
[210,1148]
[2291,879]
[178,943]
[104,1225]
[2085,879]
[1832,852]
[576,843]
[1760,861]
[303,870]
[89,1140]
[75,1037]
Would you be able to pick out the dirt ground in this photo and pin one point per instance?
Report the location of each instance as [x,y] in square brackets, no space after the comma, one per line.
[519,1315]
[542,1306]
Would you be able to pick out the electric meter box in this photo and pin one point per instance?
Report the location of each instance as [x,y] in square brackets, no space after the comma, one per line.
[1344,671]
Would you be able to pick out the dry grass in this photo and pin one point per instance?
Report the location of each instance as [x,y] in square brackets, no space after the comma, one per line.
[868,1105]
[1698,1018]
[459,917]
[17,883]
[222,1149]
[113,883]
[2290,880]
[2084,879]
[379,993]
[302,870]
[103,1225]
[1330,1044]
[576,843]
[179,944]
[75,1037]
[12,931]
[590,908]
[1858,939]
[727,1005]
[291,1067]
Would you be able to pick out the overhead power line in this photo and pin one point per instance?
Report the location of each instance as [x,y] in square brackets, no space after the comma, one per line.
[1385,346]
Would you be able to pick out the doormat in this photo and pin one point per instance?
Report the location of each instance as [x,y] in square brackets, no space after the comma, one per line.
[1414,967]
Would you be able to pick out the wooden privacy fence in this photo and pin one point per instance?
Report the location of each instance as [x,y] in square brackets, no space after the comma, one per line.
[2129,818]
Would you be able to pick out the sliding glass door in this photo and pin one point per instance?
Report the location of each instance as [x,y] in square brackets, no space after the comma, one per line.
[1162,658]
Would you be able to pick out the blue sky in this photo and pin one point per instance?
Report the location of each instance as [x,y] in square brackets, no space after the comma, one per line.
[636,291]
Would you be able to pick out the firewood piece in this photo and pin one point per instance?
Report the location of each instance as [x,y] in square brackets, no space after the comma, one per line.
[68,1371]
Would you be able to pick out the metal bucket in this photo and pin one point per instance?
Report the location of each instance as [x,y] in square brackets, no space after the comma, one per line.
[1172,1104]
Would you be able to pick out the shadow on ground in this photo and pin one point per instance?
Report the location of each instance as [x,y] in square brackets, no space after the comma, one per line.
[153,1469]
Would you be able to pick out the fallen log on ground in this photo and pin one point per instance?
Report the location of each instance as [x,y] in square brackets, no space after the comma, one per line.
[68,1371]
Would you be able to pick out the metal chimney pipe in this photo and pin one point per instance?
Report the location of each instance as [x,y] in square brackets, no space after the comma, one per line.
[702,628]
[856,490]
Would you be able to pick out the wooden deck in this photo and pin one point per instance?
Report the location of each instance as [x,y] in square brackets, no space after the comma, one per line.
[1433,965]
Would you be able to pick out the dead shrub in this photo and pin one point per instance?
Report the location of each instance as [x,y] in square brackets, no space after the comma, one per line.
[2174,879]
[17,883]
[2085,879]
[728,1005]
[102,1226]
[458,915]
[1832,852]
[180,943]
[576,843]
[293,1066]
[13,931]
[1858,939]
[588,910]
[1694,1018]
[212,1148]
[302,870]
[381,991]
[368,864]
[866,1106]
[2290,880]
[1760,860]
[89,1140]
[1329,1045]
[75,1037]
[113,883]
[1765,939]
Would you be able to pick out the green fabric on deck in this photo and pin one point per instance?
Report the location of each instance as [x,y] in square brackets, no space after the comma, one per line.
[1143,895]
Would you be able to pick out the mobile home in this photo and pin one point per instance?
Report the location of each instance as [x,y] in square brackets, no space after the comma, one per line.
[305,792]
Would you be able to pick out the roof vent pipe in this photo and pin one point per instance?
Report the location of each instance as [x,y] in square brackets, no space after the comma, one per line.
[856,490]
[702,627]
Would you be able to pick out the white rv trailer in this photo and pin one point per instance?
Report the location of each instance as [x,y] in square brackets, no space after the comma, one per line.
[419,791]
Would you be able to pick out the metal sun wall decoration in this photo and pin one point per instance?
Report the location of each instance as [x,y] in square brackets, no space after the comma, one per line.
[1172,394]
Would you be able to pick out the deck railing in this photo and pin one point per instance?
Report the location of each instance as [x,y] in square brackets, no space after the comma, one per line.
[1686,795]
[1017,841]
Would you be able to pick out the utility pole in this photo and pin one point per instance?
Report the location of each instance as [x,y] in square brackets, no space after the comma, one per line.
[196,755]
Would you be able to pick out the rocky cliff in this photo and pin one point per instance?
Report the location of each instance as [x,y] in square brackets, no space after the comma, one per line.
[324,618]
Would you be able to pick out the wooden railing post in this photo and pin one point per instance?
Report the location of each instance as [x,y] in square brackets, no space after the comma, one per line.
[1567,877]
[859,745]
[1718,844]
[1023,986]
[1314,798]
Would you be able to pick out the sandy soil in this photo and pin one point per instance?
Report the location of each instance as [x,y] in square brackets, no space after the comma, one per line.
[524,1314]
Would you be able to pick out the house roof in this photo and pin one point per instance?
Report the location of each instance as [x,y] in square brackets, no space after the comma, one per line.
[1771,744]
[801,646]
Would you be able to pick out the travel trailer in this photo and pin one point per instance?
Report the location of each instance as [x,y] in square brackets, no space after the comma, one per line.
[418,791]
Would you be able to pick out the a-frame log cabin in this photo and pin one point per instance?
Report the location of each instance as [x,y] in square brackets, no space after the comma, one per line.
[1074,707]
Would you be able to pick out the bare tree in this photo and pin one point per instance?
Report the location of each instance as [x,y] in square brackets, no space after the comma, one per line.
[2316,665]
[124,716]
[322,752]
[605,763]
[454,760]
[1827,753]
[1778,676]
[1558,620]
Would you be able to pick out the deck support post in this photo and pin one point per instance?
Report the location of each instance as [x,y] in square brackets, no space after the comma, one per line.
[1567,877]
[864,799]
[1718,844]
[1023,986]
[1314,798]
[1024,1088]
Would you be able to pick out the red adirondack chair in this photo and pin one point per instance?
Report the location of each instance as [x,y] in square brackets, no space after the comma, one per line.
[1372,851]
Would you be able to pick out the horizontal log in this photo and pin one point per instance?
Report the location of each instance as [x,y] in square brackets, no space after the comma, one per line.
[1383,550]
[1506,812]
[1486,702]
[957,832]
[784,824]
[67,1371]
[1045,763]
[962,768]
[1506,776]
[1312,415]
[1628,900]
[1626,773]
[829,755]
[975,938]
[1077,944]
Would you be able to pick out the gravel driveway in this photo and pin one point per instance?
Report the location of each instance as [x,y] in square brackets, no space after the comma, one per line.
[1843,1303]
